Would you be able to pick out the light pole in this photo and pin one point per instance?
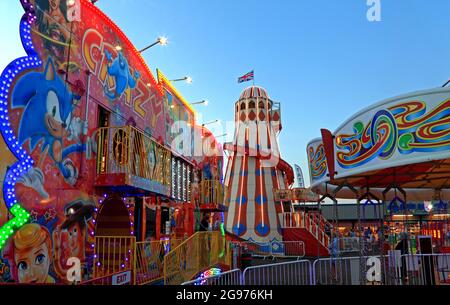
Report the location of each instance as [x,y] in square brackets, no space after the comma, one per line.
[188,79]
[161,40]
[209,123]
[205,102]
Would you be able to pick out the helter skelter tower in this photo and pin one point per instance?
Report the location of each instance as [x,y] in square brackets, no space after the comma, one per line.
[255,169]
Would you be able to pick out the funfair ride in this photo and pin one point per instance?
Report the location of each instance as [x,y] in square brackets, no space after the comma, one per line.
[392,157]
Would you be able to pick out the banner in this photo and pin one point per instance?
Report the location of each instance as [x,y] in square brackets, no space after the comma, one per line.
[299,194]
[299,174]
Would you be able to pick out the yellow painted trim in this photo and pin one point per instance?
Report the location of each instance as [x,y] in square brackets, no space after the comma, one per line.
[164,82]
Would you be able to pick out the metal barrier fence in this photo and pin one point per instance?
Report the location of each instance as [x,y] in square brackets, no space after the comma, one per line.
[418,269]
[232,277]
[114,254]
[280,249]
[409,269]
[421,269]
[339,271]
[288,273]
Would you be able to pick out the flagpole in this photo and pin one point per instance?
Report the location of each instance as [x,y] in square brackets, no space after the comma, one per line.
[253,77]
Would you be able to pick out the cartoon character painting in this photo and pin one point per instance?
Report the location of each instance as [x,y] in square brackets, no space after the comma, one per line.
[53,27]
[47,118]
[119,70]
[30,255]
[69,238]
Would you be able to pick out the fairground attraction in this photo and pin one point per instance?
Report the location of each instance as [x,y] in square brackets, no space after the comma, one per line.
[108,178]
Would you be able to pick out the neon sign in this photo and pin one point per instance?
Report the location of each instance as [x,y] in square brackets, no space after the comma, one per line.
[111,68]
[208,273]
[20,218]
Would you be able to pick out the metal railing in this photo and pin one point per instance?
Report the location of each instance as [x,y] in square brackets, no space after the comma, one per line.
[114,254]
[422,269]
[127,150]
[232,277]
[118,278]
[211,192]
[313,222]
[416,269]
[199,252]
[338,271]
[280,249]
[287,273]
[150,259]
[292,220]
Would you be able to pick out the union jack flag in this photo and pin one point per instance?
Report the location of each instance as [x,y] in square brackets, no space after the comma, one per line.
[247,77]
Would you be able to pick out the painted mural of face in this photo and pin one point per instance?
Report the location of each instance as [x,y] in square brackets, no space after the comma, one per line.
[32,254]
[56,126]
[69,243]
[54,4]
[76,240]
[33,265]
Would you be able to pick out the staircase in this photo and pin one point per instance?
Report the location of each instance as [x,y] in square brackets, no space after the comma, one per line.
[199,252]
[309,228]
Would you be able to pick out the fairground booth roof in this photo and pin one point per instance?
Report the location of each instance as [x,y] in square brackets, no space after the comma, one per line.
[399,146]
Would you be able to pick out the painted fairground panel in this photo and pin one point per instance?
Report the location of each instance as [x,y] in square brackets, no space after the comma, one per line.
[179,119]
[408,129]
[317,162]
[49,126]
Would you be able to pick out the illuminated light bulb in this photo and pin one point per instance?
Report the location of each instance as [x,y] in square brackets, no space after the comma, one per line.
[163,41]
[428,206]
[189,80]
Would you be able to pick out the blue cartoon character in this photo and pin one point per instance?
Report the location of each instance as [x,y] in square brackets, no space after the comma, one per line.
[120,71]
[47,118]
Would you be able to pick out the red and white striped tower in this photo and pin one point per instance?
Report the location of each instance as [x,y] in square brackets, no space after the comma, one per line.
[253,169]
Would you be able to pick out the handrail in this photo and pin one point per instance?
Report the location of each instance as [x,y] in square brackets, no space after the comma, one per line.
[199,252]
[211,192]
[127,150]
[312,222]
[149,261]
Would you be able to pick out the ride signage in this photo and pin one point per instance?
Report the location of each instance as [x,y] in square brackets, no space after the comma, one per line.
[299,194]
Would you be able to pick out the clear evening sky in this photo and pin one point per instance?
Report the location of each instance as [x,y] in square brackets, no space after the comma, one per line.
[322,59]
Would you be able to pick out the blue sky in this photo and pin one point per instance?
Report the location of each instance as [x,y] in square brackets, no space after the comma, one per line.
[321,59]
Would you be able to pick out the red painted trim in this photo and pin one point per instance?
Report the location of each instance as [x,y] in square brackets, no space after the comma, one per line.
[328,144]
